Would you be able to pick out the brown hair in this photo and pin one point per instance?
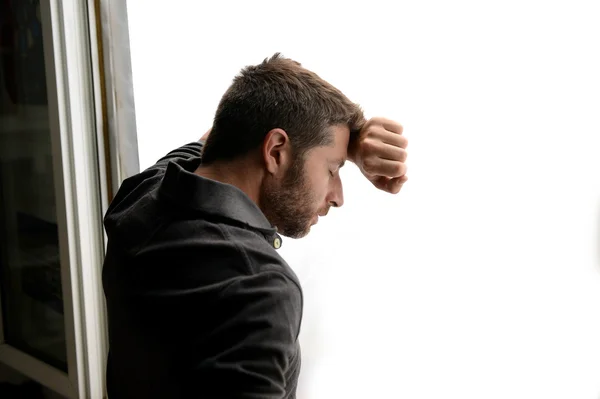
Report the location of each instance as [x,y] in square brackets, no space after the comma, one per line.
[278,93]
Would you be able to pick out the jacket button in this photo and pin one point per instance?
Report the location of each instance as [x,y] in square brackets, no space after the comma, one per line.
[277,242]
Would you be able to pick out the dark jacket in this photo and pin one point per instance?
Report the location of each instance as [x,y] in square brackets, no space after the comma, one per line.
[200,304]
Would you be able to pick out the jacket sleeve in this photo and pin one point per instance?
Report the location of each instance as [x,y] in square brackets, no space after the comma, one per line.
[256,342]
[187,151]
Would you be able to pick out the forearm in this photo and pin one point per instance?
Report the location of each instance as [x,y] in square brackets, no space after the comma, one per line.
[187,151]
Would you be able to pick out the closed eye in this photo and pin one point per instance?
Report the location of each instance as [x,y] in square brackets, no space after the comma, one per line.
[337,166]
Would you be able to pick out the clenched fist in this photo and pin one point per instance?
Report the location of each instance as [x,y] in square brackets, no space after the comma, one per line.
[380,153]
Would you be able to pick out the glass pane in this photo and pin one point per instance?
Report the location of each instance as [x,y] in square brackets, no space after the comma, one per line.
[32,305]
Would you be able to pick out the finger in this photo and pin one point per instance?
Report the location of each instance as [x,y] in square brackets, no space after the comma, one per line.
[389,124]
[385,151]
[381,183]
[390,138]
[395,185]
[392,186]
[384,167]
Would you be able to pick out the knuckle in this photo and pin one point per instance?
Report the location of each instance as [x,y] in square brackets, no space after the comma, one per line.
[369,164]
[399,169]
[368,145]
[377,121]
[403,155]
[369,131]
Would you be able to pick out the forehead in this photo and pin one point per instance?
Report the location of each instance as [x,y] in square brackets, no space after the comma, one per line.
[338,148]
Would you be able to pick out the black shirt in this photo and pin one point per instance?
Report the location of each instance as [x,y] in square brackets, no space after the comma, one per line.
[200,304]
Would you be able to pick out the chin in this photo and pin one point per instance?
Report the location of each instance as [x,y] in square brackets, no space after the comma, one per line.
[296,234]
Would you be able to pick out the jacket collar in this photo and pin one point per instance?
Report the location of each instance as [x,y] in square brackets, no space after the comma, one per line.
[188,190]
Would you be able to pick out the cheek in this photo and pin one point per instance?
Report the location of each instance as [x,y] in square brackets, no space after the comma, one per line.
[318,191]
[317,185]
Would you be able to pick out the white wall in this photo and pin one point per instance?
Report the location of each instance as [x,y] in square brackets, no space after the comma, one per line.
[481,279]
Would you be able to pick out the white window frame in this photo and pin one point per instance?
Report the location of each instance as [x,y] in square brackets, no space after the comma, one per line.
[79,148]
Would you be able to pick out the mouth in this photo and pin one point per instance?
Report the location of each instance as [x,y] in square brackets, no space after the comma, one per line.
[315,219]
[323,213]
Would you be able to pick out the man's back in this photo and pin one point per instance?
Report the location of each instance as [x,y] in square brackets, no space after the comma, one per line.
[199,302]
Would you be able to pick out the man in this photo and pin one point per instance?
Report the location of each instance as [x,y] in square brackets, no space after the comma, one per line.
[200,304]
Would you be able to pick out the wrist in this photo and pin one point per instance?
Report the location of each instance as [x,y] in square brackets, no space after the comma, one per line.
[353,150]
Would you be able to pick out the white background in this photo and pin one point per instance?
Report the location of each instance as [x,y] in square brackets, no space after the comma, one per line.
[482,278]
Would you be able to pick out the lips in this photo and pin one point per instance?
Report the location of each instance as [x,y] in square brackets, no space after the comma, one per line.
[320,215]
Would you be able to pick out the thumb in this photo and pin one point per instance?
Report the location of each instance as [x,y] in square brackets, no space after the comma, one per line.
[390,185]
[394,185]
[381,182]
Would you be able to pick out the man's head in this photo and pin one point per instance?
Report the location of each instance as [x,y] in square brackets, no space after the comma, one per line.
[296,128]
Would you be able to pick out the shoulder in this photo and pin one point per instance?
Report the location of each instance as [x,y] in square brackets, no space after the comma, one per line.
[207,250]
[258,251]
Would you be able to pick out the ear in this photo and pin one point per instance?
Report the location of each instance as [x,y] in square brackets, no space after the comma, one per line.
[276,151]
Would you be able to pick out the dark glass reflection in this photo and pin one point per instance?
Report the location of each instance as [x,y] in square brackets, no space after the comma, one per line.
[32,305]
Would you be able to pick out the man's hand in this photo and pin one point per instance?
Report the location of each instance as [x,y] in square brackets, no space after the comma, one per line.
[380,152]
[203,138]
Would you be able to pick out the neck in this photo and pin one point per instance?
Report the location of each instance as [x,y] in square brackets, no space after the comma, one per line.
[240,174]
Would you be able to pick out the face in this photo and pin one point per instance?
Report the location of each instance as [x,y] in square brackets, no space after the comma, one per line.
[309,187]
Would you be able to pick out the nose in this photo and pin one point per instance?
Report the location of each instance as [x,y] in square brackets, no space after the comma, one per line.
[336,196]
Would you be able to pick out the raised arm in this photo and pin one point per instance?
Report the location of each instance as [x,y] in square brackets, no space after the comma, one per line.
[190,150]
[379,151]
